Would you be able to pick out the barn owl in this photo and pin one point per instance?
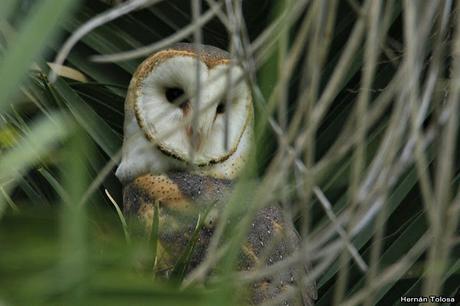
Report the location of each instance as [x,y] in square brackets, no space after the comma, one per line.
[177,160]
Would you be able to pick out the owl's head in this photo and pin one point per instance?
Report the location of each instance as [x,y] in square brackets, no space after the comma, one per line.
[175,112]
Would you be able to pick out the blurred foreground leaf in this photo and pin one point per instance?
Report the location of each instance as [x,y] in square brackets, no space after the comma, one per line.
[44,135]
[29,42]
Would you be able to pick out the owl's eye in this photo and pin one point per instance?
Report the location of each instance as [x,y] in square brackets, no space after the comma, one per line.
[221,108]
[173,94]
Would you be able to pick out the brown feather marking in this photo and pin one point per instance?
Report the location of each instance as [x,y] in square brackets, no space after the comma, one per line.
[249,253]
[161,188]
[210,55]
[277,227]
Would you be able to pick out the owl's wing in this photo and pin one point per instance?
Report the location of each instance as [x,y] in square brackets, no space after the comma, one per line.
[271,239]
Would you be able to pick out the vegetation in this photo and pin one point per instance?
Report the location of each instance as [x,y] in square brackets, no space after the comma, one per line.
[357,107]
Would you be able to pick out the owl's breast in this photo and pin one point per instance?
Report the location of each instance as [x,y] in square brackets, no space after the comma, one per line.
[188,207]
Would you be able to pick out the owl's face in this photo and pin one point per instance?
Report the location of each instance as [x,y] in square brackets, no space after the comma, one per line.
[169,125]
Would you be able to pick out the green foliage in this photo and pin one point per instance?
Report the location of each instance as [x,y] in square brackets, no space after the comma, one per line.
[384,156]
[36,30]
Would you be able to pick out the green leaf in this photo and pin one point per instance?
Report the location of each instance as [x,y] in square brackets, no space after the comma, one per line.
[36,31]
[93,124]
[6,6]
[44,134]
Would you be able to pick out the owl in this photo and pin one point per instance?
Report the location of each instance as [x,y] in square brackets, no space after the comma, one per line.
[181,160]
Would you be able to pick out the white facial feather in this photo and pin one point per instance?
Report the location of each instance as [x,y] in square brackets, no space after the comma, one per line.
[237,108]
[168,125]
[139,155]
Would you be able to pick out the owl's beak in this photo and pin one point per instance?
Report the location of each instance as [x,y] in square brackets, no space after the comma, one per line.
[202,129]
[195,137]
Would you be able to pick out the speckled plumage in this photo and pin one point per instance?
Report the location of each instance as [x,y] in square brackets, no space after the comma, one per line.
[157,171]
[182,196]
